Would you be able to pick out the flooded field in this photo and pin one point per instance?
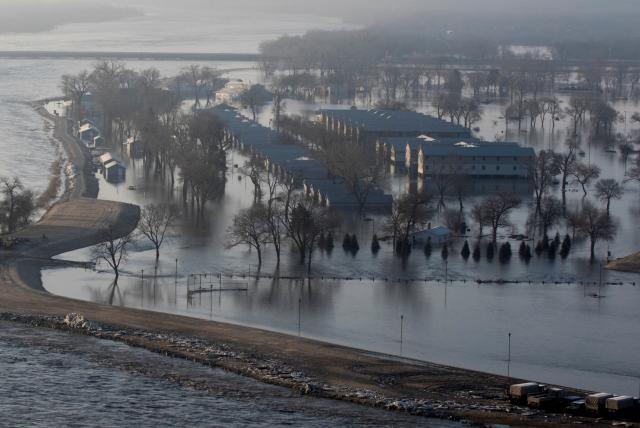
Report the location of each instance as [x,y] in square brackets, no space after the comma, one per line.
[54,378]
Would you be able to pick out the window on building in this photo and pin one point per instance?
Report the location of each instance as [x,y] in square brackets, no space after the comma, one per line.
[515,168]
[484,167]
[473,167]
[515,158]
[484,158]
[497,167]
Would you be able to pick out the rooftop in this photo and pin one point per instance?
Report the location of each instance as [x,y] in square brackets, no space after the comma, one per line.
[394,121]
[460,147]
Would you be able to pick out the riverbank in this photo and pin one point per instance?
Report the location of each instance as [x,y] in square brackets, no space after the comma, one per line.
[311,367]
[630,263]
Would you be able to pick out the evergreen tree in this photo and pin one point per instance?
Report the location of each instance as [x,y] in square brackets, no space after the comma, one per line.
[328,243]
[322,241]
[556,240]
[527,254]
[355,247]
[522,250]
[566,247]
[466,252]
[545,242]
[490,251]
[476,252]
[375,245]
[505,252]
[553,249]
[539,248]
[445,251]
[427,247]
[346,242]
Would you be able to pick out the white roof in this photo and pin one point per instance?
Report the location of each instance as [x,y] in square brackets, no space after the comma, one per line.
[107,157]
[113,163]
[86,127]
[620,398]
[439,230]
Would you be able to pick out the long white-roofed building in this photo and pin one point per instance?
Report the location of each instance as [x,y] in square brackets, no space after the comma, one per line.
[371,125]
[453,156]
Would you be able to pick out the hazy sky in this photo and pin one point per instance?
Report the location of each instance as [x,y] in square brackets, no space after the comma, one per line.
[239,25]
[46,13]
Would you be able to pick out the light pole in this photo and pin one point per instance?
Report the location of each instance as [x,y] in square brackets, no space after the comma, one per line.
[509,359]
[401,331]
[299,314]
[175,285]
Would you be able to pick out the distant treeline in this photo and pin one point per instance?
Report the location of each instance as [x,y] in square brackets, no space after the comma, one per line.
[410,43]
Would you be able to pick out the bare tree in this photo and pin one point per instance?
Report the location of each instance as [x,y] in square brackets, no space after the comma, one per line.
[359,168]
[253,98]
[409,214]
[544,168]
[76,86]
[566,165]
[608,189]
[595,224]
[577,108]
[585,174]
[113,250]
[496,210]
[550,212]
[17,206]
[626,149]
[304,225]
[249,228]
[154,222]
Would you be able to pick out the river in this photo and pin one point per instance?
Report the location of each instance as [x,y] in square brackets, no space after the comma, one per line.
[52,378]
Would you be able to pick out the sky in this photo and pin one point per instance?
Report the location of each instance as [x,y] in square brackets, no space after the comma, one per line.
[45,14]
[239,25]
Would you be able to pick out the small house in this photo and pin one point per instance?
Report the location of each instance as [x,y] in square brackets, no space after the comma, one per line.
[88,132]
[133,147]
[438,235]
[114,171]
[98,142]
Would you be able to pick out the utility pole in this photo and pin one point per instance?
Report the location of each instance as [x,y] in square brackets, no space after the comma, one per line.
[142,289]
[175,285]
[509,359]
[299,314]
[401,331]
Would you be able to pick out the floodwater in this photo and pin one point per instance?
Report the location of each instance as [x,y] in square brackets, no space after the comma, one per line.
[173,28]
[560,333]
[52,378]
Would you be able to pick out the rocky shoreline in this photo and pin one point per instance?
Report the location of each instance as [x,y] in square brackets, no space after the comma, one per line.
[276,372]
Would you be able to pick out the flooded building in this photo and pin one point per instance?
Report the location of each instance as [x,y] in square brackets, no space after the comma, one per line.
[372,125]
[295,162]
[232,92]
[426,156]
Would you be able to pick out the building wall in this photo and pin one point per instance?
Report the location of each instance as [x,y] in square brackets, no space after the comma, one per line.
[487,166]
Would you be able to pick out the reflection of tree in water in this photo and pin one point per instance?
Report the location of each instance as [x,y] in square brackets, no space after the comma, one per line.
[111,296]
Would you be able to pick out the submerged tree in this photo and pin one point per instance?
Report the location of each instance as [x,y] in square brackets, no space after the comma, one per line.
[595,224]
[585,174]
[250,228]
[17,205]
[608,189]
[113,249]
[154,222]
